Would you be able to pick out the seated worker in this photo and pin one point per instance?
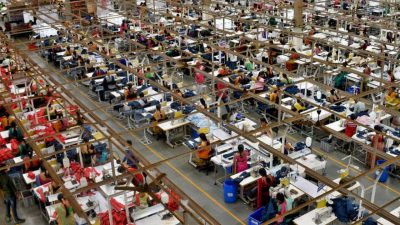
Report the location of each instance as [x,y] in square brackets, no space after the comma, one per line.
[332,97]
[139,103]
[350,126]
[15,132]
[317,50]
[149,74]
[392,97]
[287,148]
[378,142]
[240,160]
[224,70]
[159,114]
[282,207]
[298,106]
[129,90]
[259,85]
[359,107]
[340,79]
[98,72]
[178,18]
[68,51]
[129,154]
[266,129]
[273,97]
[291,64]
[44,177]
[203,151]
[24,149]
[142,200]
[4,121]
[88,152]
[109,82]
[285,79]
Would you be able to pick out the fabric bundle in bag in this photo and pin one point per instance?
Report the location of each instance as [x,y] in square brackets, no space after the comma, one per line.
[345,209]
[269,211]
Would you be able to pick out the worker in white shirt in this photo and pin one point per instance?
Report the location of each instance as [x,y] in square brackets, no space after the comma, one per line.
[359,107]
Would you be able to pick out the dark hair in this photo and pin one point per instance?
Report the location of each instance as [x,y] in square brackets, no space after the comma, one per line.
[263,120]
[240,149]
[280,197]
[203,102]
[353,116]
[332,91]
[158,107]
[203,137]
[378,128]
[129,142]
[60,197]
[13,124]
[262,172]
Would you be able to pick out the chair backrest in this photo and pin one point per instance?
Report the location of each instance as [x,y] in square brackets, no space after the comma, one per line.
[389,143]
[308,141]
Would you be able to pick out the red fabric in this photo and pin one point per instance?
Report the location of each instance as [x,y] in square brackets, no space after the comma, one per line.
[2,141]
[31,175]
[199,78]
[41,194]
[5,154]
[138,176]
[14,146]
[220,92]
[116,205]
[119,218]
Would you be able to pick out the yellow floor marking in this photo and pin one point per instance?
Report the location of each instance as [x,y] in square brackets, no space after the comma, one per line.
[194,184]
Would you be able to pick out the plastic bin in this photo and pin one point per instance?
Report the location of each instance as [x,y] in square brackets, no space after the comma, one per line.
[230,191]
[326,146]
[385,173]
[27,198]
[255,217]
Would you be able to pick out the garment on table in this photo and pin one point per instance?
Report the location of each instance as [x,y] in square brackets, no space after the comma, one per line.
[345,209]
[338,108]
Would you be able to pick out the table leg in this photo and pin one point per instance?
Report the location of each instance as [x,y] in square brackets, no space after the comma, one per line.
[168,141]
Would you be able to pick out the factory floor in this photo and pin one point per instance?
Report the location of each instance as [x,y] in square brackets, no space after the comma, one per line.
[195,184]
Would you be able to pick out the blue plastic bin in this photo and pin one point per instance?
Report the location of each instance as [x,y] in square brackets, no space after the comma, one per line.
[230,191]
[256,217]
[385,173]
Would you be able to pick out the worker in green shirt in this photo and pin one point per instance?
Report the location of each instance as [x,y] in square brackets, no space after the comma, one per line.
[149,74]
[10,197]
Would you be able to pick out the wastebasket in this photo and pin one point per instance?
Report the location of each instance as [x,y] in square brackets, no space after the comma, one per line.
[256,217]
[385,173]
[230,191]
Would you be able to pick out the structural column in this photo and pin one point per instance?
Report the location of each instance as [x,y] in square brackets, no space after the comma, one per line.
[298,22]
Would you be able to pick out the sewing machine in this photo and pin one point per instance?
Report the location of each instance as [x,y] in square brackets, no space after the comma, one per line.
[322,214]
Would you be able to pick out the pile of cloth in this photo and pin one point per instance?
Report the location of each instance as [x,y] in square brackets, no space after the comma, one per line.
[119,217]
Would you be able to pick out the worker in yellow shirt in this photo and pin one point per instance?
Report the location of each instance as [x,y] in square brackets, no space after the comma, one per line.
[392,97]
[298,106]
